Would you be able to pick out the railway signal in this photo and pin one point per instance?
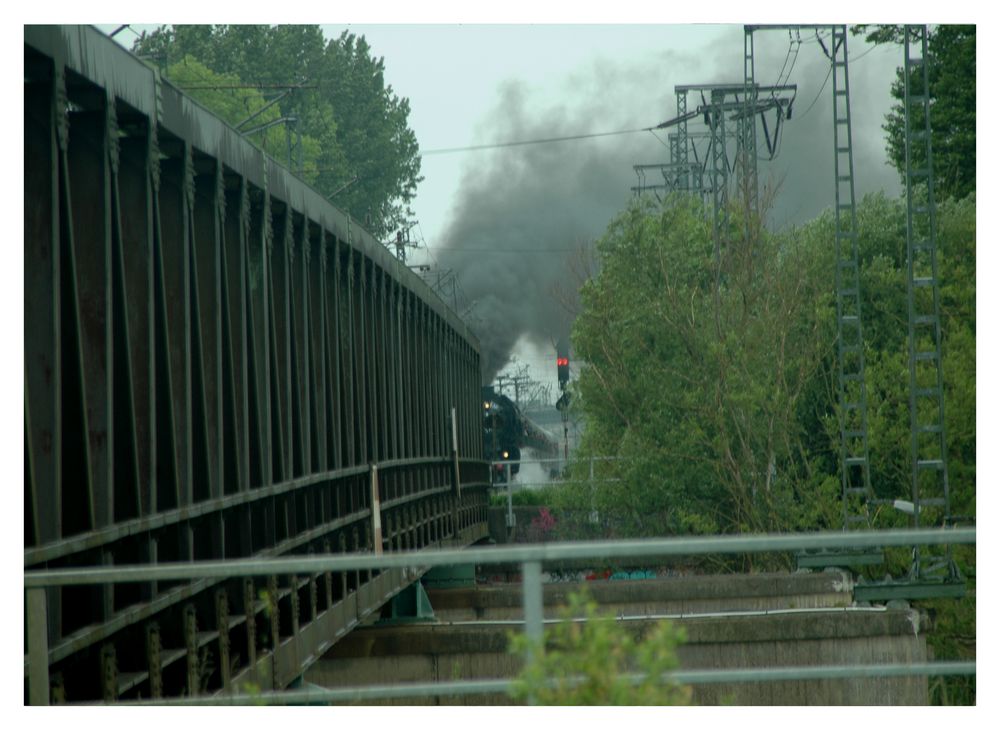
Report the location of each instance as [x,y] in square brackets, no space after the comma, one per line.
[562,363]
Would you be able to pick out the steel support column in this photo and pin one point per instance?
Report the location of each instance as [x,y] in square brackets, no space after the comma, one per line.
[928,444]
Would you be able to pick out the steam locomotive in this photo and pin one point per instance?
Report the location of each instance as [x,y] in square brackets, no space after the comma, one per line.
[506,431]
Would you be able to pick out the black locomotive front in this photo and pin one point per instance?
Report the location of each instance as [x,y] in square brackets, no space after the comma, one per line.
[502,433]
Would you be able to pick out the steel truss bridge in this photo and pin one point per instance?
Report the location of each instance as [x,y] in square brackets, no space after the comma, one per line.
[217,365]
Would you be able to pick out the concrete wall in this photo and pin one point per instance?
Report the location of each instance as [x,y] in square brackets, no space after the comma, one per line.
[772,635]
[807,639]
[419,653]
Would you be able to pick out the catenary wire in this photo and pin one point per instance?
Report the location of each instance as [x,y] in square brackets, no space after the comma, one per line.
[521,143]
[430,253]
[819,93]
[658,139]
[504,250]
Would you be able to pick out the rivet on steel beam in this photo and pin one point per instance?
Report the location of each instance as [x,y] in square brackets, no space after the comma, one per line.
[273,610]
[313,598]
[154,659]
[112,134]
[366,546]
[293,584]
[245,208]
[273,604]
[356,548]
[57,690]
[220,192]
[153,160]
[188,184]
[61,107]
[109,673]
[289,238]
[222,625]
[249,600]
[191,646]
[328,578]
[342,542]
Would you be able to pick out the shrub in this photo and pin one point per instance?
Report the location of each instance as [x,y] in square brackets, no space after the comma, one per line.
[597,661]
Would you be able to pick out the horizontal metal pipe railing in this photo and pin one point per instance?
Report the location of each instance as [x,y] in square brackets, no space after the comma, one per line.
[599,549]
[531,558]
[317,695]
[505,465]
[560,460]
[650,616]
[138,525]
[88,635]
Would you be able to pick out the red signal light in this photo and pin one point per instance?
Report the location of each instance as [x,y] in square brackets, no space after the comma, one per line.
[562,363]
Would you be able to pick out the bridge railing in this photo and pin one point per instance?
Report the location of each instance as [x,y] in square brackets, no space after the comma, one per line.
[557,468]
[217,361]
[415,690]
[531,559]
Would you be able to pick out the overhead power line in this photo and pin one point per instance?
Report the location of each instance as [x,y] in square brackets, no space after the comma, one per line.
[492,251]
[568,138]
[521,143]
[231,87]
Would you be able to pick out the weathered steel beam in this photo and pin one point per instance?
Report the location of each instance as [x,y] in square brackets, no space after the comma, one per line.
[212,356]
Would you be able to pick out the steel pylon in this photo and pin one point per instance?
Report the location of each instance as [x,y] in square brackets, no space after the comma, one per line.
[852,396]
[928,449]
[748,140]
[856,490]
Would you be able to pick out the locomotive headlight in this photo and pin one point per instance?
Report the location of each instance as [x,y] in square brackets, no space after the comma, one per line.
[486,405]
[506,454]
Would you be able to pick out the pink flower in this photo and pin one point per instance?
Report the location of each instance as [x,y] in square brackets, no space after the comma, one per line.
[545,522]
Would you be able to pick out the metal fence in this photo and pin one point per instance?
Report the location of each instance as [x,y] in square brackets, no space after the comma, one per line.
[556,466]
[531,559]
[515,482]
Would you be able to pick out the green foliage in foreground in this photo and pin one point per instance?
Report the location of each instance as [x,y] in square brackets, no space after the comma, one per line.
[721,399]
[716,396]
[592,662]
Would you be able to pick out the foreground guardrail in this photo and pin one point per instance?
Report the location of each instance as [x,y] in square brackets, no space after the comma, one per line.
[531,558]
[414,690]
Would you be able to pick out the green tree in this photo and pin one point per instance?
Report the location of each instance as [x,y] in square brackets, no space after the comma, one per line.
[952,80]
[724,407]
[696,386]
[214,91]
[358,145]
[596,661]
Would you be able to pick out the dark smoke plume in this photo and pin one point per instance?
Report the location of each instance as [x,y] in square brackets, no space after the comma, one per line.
[523,211]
